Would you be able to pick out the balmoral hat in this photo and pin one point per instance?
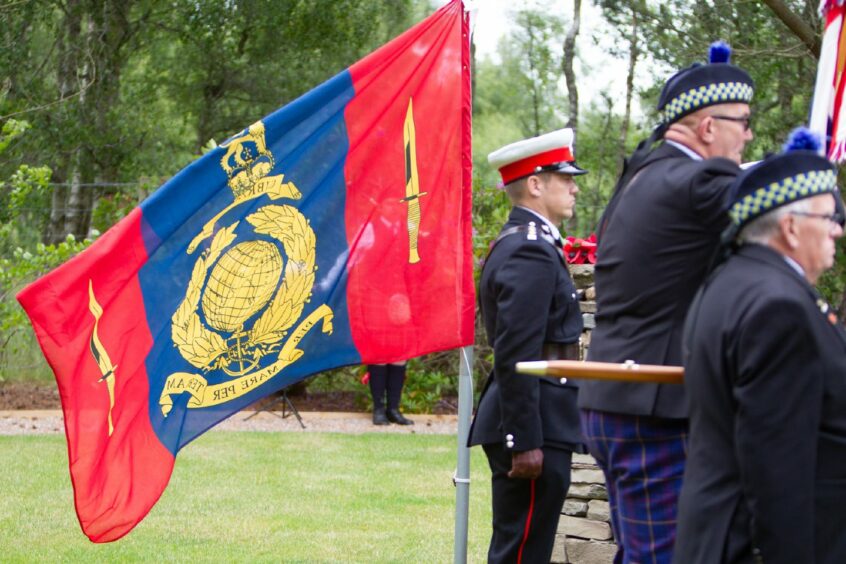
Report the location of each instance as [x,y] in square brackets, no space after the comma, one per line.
[797,173]
[701,85]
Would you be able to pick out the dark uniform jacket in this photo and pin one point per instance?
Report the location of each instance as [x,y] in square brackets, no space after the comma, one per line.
[652,257]
[527,299]
[766,372]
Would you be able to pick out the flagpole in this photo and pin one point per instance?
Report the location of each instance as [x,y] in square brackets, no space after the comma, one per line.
[462,471]
[461,479]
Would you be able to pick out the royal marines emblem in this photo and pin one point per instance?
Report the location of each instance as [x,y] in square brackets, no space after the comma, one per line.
[238,322]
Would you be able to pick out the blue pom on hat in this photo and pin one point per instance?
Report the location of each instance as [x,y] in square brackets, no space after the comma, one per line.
[802,139]
[720,52]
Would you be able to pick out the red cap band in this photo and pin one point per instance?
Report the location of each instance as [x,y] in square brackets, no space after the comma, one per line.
[527,166]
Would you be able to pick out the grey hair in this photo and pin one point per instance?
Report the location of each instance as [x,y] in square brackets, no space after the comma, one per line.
[761,229]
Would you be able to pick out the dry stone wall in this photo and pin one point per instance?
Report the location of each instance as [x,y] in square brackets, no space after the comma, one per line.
[584,531]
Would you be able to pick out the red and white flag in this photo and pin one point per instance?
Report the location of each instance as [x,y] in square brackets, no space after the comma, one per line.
[827,118]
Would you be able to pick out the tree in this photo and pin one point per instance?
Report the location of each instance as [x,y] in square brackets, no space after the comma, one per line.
[567,57]
[625,16]
[802,29]
[129,91]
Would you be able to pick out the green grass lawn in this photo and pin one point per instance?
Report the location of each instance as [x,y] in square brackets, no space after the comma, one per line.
[272,497]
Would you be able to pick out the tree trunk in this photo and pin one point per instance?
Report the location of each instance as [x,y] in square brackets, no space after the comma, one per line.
[634,53]
[74,204]
[69,45]
[567,65]
[111,31]
[797,25]
[55,227]
[73,211]
[535,76]
[96,34]
[213,91]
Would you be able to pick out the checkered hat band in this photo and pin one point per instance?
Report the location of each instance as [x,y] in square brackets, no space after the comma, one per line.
[707,95]
[785,191]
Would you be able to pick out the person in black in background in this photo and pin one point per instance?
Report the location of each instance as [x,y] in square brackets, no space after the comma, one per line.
[656,239]
[765,365]
[529,427]
[387,379]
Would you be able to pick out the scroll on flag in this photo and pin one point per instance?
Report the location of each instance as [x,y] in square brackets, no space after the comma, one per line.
[827,118]
[334,231]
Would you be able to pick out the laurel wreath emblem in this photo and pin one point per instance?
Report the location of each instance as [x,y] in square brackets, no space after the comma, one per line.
[208,350]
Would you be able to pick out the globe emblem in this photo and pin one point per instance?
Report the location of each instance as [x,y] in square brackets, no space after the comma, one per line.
[239,286]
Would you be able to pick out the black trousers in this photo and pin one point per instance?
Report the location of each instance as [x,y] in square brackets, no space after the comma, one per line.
[526,512]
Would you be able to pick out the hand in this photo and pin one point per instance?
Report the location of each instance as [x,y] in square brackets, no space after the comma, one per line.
[527,464]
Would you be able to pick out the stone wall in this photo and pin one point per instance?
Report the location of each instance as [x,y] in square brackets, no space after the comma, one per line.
[584,532]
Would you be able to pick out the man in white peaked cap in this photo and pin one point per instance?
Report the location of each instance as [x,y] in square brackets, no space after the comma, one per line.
[529,427]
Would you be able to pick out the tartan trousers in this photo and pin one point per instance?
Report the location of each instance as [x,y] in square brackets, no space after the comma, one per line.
[643,459]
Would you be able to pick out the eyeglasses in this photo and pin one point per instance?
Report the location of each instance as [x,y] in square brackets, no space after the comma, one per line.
[746,121]
[836,217]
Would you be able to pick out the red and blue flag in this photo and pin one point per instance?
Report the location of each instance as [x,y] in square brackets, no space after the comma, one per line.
[335,231]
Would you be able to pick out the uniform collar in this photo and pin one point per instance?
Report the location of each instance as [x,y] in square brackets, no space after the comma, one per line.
[553,229]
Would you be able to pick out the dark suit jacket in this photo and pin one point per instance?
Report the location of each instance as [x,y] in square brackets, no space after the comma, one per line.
[652,257]
[766,372]
[527,299]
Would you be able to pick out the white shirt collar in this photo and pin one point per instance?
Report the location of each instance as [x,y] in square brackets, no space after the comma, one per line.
[685,149]
[556,234]
[796,266]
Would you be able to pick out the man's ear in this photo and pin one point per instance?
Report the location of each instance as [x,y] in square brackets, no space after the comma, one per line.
[705,130]
[533,186]
[787,228]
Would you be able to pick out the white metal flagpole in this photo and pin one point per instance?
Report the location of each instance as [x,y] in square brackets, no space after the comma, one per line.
[461,478]
[462,470]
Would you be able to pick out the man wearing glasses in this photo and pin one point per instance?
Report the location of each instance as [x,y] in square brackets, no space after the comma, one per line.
[656,239]
[765,366]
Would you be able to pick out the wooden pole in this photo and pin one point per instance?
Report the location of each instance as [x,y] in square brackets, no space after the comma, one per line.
[628,371]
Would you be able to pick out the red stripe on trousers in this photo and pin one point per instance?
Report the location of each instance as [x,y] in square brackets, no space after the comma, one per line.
[528,525]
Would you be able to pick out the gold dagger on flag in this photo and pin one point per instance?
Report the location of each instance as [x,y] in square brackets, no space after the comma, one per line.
[412,185]
[107,369]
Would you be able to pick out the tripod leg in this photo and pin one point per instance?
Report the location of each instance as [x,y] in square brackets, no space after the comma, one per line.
[293,409]
[267,407]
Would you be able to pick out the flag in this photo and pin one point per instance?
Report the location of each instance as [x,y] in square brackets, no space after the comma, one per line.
[830,88]
[335,231]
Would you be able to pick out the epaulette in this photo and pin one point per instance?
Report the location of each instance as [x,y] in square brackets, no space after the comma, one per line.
[531,230]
